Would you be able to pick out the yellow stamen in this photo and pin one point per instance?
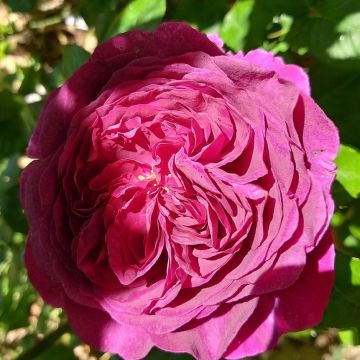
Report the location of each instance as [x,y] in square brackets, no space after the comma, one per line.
[151,176]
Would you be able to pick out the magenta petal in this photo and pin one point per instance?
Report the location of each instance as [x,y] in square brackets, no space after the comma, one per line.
[44,282]
[160,43]
[320,138]
[302,305]
[211,337]
[295,308]
[268,61]
[216,39]
[99,330]
[258,334]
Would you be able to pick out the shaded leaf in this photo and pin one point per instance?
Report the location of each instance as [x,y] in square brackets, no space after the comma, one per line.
[58,352]
[343,310]
[98,14]
[337,91]
[12,211]
[330,30]
[31,79]
[15,119]
[22,5]
[262,18]
[73,57]
[157,354]
[206,15]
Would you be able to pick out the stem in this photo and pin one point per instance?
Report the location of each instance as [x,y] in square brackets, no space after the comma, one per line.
[44,344]
[49,21]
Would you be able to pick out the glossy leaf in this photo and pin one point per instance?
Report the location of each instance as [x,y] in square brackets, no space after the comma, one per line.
[236,24]
[144,14]
[348,172]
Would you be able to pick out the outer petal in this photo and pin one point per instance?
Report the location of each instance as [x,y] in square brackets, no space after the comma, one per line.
[268,61]
[295,308]
[319,137]
[85,84]
[258,335]
[216,39]
[169,39]
[45,283]
[209,339]
[302,305]
[98,329]
[61,105]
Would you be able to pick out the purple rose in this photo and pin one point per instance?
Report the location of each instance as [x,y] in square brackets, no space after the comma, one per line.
[181,198]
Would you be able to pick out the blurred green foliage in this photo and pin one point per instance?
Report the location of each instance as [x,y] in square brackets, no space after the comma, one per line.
[43,41]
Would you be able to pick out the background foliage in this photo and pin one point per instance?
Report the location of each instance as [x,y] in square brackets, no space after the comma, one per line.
[43,41]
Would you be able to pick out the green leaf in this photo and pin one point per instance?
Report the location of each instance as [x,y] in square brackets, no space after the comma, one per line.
[348,173]
[349,337]
[330,30]
[58,352]
[56,78]
[236,24]
[337,91]
[295,8]
[343,310]
[22,5]
[12,211]
[73,57]
[352,245]
[10,208]
[264,16]
[15,123]
[32,77]
[347,44]
[144,14]
[98,14]
[206,15]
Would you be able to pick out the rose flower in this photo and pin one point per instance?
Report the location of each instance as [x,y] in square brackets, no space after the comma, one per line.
[180,198]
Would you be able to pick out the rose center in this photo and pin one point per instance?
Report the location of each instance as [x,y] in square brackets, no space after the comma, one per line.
[155,184]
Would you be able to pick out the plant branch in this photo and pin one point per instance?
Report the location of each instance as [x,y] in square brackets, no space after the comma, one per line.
[44,344]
